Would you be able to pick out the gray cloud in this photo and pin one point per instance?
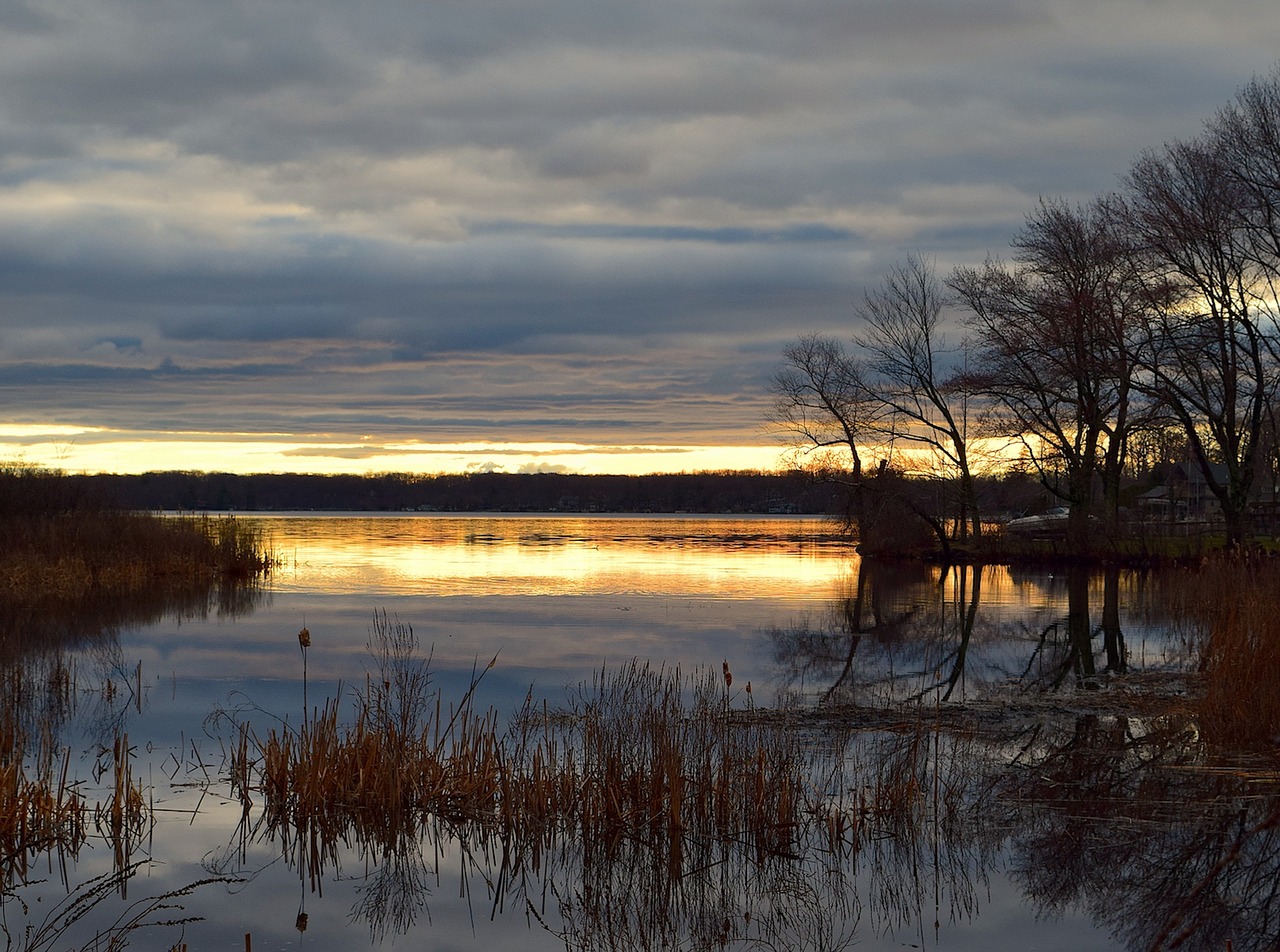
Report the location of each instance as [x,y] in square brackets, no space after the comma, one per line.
[514,220]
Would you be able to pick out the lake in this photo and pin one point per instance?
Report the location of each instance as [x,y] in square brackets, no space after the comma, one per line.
[555,602]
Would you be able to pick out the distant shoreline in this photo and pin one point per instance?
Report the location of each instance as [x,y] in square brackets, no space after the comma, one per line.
[732,493]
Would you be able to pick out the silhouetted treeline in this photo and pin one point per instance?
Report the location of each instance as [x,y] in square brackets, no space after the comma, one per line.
[1120,328]
[722,492]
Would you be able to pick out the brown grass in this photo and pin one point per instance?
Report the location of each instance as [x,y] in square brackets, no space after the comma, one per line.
[55,544]
[75,555]
[1237,599]
[41,809]
[640,756]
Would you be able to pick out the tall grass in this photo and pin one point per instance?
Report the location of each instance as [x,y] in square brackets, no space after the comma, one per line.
[41,808]
[640,755]
[56,543]
[654,809]
[1237,600]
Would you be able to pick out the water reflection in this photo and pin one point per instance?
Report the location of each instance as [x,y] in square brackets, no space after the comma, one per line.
[653,814]
[1125,818]
[951,725]
[50,624]
[900,837]
[923,634]
[632,822]
[533,555]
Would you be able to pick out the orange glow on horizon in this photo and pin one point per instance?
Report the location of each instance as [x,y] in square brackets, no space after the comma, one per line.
[95,450]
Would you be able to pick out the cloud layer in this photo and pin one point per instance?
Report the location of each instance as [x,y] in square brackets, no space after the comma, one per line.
[550,221]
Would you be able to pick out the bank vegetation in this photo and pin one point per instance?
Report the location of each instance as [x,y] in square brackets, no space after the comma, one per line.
[61,545]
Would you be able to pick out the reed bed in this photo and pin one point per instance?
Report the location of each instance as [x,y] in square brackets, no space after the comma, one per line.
[67,556]
[41,812]
[1237,600]
[125,817]
[48,815]
[643,755]
[673,763]
[44,809]
[57,543]
[41,808]
[650,796]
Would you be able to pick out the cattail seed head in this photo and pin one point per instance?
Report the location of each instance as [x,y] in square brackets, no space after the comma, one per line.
[304,638]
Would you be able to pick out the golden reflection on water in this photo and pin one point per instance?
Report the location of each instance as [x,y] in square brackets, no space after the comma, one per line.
[758,557]
[546,555]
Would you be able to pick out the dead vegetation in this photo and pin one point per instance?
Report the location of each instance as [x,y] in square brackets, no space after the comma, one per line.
[1235,601]
[639,754]
[59,544]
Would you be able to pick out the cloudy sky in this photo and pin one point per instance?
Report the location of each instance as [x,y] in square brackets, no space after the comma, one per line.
[265,235]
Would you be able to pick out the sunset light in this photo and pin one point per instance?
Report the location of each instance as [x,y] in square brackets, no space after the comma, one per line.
[87,450]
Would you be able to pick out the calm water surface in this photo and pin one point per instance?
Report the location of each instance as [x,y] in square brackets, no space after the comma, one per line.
[556,600]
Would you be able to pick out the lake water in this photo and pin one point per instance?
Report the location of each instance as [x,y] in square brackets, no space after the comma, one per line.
[556,600]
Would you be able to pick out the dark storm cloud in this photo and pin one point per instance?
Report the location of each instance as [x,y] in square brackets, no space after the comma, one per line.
[531,220]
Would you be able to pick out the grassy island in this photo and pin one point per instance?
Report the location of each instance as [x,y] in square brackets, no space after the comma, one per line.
[73,561]
[56,541]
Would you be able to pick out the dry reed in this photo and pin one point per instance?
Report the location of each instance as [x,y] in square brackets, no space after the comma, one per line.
[41,809]
[1237,599]
[124,818]
[640,756]
[56,545]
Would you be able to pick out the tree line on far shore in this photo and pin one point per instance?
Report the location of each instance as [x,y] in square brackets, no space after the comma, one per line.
[32,491]
[706,492]
[1142,327]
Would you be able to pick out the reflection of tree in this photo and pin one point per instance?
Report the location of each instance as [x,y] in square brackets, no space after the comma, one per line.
[1112,637]
[1116,816]
[1064,652]
[53,622]
[901,632]
[654,814]
[37,639]
[880,602]
[969,595]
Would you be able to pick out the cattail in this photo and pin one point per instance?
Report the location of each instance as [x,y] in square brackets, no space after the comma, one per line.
[728,676]
[304,638]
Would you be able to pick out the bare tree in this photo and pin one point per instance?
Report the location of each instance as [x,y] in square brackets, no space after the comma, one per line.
[1051,350]
[1211,344]
[822,402]
[1246,135]
[907,358]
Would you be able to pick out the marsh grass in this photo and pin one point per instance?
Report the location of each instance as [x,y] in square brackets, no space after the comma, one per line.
[653,808]
[72,922]
[45,810]
[58,544]
[125,817]
[1237,601]
[69,556]
[42,811]
[49,816]
[640,755]
[645,769]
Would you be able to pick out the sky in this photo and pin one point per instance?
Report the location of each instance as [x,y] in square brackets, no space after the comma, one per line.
[452,235]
